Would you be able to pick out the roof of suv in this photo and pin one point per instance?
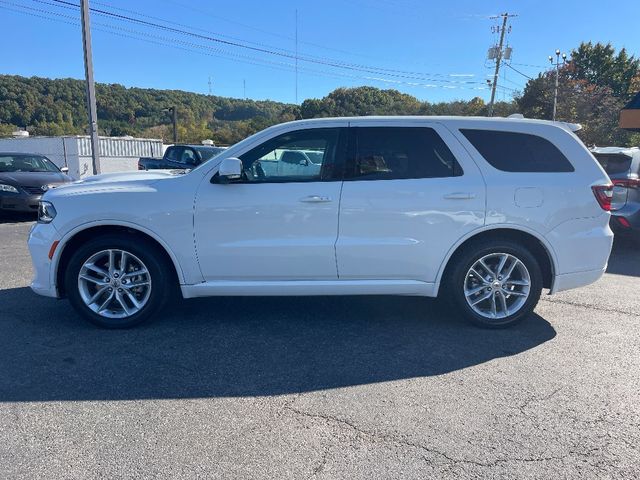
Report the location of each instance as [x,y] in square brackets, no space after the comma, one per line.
[485,121]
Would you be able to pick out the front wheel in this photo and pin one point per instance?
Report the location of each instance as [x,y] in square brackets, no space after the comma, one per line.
[495,284]
[116,281]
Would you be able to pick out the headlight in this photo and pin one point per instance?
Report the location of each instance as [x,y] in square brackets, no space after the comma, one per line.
[46,212]
[8,188]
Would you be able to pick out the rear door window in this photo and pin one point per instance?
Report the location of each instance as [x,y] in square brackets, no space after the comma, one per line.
[389,153]
[518,152]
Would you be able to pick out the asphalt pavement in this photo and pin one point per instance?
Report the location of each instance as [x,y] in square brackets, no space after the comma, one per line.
[342,387]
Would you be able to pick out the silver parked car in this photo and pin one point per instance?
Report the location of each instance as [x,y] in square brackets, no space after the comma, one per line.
[623,167]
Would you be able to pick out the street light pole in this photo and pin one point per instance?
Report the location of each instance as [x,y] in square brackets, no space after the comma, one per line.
[91,87]
[555,91]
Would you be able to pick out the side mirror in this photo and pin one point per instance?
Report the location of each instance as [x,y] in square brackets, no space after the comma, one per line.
[230,169]
[64,170]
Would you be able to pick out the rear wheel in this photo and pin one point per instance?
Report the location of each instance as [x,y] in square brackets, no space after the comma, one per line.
[495,284]
[117,281]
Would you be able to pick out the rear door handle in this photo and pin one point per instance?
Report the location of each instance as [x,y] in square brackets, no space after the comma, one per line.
[315,199]
[460,196]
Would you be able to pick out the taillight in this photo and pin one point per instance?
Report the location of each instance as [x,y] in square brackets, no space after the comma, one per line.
[140,167]
[627,182]
[604,194]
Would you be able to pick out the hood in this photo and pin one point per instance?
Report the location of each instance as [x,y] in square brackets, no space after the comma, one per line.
[135,176]
[136,181]
[33,179]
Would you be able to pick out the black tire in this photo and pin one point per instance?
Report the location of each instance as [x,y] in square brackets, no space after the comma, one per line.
[463,261]
[153,259]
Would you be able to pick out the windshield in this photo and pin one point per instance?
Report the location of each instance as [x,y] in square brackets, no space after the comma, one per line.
[614,164]
[209,152]
[26,163]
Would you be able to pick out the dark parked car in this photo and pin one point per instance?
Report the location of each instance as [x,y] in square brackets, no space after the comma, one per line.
[180,157]
[24,177]
[623,167]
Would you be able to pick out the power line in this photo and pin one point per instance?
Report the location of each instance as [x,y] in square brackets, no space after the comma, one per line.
[271,51]
[517,71]
[529,65]
[189,47]
[250,27]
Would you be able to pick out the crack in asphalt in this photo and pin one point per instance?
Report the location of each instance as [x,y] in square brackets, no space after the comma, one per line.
[399,441]
[533,398]
[589,306]
[320,467]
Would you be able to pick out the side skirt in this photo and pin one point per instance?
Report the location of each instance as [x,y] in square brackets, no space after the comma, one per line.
[309,288]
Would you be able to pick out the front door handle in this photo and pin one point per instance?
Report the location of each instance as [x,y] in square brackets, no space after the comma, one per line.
[460,196]
[315,199]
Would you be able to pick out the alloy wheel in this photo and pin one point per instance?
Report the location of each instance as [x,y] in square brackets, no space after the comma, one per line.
[497,286]
[114,283]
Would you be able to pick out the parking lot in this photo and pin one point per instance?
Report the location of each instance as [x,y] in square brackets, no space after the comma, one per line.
[345,387]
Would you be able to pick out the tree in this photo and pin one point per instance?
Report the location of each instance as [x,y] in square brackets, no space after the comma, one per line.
[599,65]
[6,130]
[344,102]
[592,89]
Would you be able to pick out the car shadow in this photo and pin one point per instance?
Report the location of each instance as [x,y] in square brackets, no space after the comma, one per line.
[11,217]
[625,256]
[226,347]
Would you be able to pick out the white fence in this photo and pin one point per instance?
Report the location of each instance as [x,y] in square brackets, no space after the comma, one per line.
[117,154]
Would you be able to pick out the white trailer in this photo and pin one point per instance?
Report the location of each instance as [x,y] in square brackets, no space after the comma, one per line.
[117,154]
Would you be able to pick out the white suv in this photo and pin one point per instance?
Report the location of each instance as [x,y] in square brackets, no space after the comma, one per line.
[485,212]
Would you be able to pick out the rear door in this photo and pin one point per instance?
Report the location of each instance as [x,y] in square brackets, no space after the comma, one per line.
[410,193]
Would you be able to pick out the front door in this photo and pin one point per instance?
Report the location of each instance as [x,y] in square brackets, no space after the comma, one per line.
[280,221]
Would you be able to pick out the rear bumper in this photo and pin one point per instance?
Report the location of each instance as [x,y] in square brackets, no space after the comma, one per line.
[19,202]
[582,248]
[568,281]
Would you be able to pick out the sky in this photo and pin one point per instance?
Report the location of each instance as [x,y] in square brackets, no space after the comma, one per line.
[434,50]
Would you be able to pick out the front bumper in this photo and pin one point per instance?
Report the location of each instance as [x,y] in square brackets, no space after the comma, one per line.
[41,237]
[19,202]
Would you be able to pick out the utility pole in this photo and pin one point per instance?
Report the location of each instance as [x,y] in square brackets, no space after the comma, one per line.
[91,87]
[498,53]
[244,89]
[174,119]
[555,91]
[209,85]
[296,56]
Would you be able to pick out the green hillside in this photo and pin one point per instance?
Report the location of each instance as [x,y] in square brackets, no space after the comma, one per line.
[54,107]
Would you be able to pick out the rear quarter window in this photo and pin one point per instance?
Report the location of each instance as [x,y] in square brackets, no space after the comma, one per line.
[614,164]
[518,152]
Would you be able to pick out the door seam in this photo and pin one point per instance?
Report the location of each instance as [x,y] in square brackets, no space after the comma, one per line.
[335,244]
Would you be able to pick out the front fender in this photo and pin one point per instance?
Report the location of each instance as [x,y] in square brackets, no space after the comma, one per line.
[183,277]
